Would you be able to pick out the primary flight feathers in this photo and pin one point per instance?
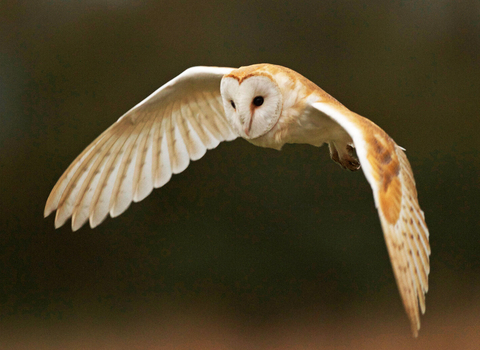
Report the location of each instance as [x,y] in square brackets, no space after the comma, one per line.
[269,106]
[156,138]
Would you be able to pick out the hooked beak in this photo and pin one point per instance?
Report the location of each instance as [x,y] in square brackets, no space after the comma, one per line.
[246,130]
[248,125]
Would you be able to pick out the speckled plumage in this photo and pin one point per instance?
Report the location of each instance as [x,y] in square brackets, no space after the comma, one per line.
[206,105]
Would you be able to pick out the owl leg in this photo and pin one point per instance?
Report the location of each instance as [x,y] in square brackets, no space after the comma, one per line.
[345,158]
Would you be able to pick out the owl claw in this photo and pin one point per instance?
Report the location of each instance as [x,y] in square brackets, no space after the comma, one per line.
[352,165]
[346,159]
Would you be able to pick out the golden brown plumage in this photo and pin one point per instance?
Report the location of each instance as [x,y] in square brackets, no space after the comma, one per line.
[269,106]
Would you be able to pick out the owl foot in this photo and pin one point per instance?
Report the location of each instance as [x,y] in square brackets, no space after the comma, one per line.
[346,159]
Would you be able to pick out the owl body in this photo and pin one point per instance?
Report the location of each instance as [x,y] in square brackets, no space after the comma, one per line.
[268,106]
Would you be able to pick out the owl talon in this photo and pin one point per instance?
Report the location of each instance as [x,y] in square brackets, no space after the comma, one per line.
[346,160]
[352,165]
[353,162]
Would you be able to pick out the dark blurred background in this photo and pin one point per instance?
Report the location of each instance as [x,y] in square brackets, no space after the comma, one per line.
[248,248]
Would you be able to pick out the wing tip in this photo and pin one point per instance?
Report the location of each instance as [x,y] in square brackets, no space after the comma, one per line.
[51,204]
[141,195]
[96,218]
[415,330]
[58,224]
[76,224]
[162,180]
[415,322]
[181,166]
[47,211]
[76,227]
[423,308]
[198,155]
[116,210]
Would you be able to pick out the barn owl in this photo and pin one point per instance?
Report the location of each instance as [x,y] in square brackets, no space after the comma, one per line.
[268,106]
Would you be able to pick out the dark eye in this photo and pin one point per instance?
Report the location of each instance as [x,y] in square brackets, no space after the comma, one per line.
[258,101]
[233,104]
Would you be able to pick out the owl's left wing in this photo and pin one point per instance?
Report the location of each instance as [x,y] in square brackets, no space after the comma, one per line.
[389,173]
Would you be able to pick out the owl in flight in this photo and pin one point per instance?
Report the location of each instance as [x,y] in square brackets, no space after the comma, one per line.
[268,106]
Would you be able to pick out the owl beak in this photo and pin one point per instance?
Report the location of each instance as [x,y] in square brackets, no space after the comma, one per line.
[247,131]
[248,126]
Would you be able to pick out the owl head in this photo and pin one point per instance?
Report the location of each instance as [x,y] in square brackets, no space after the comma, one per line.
[252,101]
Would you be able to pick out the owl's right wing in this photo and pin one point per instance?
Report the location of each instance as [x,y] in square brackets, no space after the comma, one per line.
[142,149]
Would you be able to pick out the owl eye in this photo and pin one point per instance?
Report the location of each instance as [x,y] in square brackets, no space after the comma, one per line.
[258,101]
[233,104]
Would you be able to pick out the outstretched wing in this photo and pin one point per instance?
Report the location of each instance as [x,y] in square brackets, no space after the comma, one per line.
[141,150]
[389,173]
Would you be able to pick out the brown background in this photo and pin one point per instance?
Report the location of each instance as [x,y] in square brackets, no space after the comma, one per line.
[248,248]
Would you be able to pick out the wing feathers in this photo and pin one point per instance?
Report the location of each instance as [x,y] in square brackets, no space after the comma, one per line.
[205,136]
[122,193]
[220,123]
[57,191]
[100,204]
[162,170]
[85,194]
[195,148]
[179,158]
[142,178]
[156,138]
[389,173]
[69,195]
[200,104]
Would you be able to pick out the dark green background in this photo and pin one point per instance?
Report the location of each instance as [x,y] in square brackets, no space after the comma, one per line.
[248,248]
